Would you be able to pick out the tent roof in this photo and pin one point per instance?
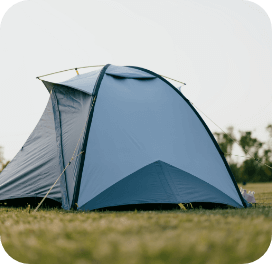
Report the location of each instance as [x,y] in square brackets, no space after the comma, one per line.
[86,82]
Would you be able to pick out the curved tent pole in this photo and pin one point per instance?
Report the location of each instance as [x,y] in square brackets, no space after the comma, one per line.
[172,79]
[69,70]
[76,69]
[86,136]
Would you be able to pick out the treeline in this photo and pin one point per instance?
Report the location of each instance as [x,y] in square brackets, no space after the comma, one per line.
[257,153]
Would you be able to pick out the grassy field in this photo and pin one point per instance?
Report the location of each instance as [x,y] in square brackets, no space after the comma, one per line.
[194,236]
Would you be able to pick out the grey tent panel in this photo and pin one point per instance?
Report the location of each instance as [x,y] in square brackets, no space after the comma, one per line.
[35,168]
[72,108]
[82,82]
[49,86]
[63,179]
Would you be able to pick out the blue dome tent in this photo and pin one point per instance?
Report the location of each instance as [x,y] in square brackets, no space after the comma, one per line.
[134,139]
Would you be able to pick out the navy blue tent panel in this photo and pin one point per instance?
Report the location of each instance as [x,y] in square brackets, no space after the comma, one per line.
[158,182]
[142,142]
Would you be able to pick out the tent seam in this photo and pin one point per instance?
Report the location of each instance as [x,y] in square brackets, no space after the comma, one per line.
[173,186]
[170,187]
[158,161]
[86,135]
[60,139]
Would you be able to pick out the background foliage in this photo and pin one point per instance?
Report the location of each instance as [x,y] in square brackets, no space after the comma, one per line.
[256,154]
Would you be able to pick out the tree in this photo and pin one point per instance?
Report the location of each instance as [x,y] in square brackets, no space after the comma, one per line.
[225,142]
[250,145]
[253,169]
[258,153]
[267,153]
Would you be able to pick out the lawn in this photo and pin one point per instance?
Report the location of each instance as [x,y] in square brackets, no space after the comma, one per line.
[194,236]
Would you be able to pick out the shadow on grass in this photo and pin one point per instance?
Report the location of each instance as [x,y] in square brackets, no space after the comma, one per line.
[50,204]
[164,207]
[32,201]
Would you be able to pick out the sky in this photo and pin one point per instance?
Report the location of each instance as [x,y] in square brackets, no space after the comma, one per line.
[220,48]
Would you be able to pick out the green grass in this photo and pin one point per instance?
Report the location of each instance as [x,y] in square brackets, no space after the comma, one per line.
[263,192]
[192,236]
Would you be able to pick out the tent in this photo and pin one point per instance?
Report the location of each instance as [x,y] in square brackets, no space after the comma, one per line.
[134,139]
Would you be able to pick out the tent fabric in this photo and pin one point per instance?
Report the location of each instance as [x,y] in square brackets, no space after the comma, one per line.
[72,108]
[142,140]
[35,168]
[57,120]
[124,72]
[158,188]
[137,122]
[87,129]
[83,82]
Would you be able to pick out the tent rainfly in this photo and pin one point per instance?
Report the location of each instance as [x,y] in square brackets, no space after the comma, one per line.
[135,139]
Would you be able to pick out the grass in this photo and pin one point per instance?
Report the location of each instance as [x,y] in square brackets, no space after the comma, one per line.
[192,236]
[263,192]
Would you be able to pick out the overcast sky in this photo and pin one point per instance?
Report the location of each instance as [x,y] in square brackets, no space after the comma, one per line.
[220,48]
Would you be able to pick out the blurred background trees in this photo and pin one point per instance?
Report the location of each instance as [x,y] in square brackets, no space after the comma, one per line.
[255,154]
